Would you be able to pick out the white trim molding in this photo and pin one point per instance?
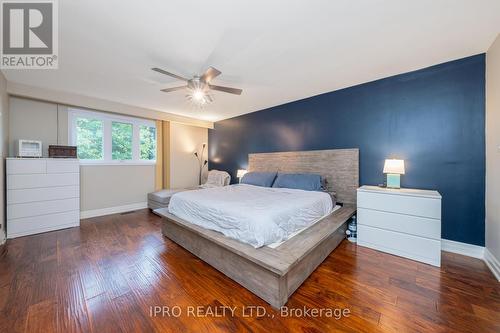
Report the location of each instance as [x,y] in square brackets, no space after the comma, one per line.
[465,249]
[112,210]
[77,100]
[492,263]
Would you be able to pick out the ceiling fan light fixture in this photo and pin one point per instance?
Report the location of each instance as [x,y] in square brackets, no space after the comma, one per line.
[198,95]
[199,87]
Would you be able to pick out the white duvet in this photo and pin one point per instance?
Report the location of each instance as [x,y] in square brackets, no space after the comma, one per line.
[252,214]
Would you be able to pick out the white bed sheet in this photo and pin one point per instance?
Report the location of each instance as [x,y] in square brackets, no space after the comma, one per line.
[276,244]
[252,214]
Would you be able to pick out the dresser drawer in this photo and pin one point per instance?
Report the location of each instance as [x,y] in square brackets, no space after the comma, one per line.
[17,211]
[63,166]
[42,180]
[409,224]
[36,224]
[42,194]
[403,204]
[404,245]
[26,166]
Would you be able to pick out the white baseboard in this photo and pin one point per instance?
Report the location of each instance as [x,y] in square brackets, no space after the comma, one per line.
[112,210]
[465,249]
[492,263]
[474,251]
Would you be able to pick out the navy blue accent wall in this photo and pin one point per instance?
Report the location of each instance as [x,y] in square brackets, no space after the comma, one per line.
[432,118]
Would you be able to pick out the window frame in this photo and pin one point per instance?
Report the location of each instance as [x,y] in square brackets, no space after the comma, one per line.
[107,119]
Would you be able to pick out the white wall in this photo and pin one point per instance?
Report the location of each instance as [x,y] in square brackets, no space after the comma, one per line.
[4,130]
[493,149]
[101,186]
[32,120]
[107,186]
[184,141]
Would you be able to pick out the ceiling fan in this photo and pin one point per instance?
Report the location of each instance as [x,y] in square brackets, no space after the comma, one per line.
[199,87]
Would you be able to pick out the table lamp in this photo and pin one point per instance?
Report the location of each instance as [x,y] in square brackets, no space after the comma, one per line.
[240,173]
[394,169]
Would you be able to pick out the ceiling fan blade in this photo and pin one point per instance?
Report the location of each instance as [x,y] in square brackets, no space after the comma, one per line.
[159,70]
[174,89]
[226,89]
[210,74]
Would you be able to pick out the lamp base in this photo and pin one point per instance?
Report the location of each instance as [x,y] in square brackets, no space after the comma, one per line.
[393,180]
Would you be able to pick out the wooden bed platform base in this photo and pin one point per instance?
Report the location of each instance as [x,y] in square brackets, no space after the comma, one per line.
[271,274]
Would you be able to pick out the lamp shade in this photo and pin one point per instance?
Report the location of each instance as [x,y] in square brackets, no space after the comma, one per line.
[240,173]
[393,166]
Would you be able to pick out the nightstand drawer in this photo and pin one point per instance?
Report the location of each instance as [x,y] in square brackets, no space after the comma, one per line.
[408,246]
[402,204]
[409,224]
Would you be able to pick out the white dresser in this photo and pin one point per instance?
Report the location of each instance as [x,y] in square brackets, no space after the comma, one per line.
[43,194]
[404,222]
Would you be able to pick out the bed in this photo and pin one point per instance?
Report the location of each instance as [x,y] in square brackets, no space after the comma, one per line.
[256,215]
[272,268]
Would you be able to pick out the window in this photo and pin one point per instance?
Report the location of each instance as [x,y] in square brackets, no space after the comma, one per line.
[103,138]
[89,138]
[148,143]
[121,138]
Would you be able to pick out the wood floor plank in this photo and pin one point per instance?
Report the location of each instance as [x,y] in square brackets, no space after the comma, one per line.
[19,299]
[109,275]
[102,315]
[71,306]
[45,285]
[42,317]
[130,316]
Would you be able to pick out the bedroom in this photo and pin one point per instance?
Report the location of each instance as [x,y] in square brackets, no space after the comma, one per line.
[319,166]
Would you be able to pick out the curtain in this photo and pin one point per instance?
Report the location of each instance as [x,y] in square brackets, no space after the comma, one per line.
[162,172]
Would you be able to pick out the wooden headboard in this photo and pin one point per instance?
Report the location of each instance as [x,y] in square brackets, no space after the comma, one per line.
[340,167]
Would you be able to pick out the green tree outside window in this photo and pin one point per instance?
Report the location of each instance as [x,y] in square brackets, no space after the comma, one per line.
[89,138]
[147,137]
[121,141]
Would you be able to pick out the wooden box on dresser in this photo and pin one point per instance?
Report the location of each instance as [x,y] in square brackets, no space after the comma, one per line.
[404,222]
[43,194]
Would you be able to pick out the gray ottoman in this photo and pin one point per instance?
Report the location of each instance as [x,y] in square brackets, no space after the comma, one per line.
[160,199]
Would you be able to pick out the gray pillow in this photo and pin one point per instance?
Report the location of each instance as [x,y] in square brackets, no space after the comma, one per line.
[300,181]
[264,179]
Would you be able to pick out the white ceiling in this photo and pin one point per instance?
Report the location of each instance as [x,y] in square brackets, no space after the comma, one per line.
[276,51]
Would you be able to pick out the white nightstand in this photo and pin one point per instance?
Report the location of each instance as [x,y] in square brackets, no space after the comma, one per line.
[405,222]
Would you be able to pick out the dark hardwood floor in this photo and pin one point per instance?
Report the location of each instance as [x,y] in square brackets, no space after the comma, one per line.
[109,274]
